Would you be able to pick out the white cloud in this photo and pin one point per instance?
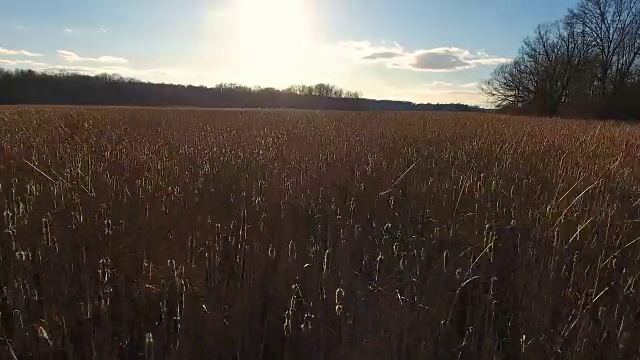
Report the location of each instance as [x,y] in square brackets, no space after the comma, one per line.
[4,51]
[103,30]
[22,62]
[73,57]
[67,30]
[443,59]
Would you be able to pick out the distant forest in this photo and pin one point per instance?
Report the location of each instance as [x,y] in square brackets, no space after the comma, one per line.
[64,88]
[586,64]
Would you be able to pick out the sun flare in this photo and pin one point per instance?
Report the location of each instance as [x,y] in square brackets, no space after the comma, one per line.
[271,38]
[280,23]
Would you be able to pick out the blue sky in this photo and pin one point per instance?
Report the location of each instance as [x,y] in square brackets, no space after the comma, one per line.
[418,50]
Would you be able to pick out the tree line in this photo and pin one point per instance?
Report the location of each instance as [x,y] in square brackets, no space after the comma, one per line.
[585,64]
[67,88]
[31,87]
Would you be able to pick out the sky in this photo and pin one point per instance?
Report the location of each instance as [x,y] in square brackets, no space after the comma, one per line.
[416,50]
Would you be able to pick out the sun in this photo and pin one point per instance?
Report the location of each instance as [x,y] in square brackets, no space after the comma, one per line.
[265,42]
[280,23]
[271,38]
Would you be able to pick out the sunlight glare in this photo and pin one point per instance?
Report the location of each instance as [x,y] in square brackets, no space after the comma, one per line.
[283,23]
[271,40]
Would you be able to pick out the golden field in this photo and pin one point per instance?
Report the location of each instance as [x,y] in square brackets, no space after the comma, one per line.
[132,233]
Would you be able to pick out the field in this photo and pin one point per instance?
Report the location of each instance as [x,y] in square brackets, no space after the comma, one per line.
[192,234]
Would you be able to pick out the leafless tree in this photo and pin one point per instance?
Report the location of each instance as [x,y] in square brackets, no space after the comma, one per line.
[613,31]
[587,60]
[541,75]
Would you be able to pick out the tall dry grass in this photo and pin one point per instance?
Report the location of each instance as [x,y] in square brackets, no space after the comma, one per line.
[185,234]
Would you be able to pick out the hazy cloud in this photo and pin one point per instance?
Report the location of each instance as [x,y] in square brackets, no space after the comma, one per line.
[67,30]
[4,51]
[103,30]
[383,55]
[439,84]
[491,61]
[155,74]
[447,88]
[440,92]
[446,59]
[365,49]
[22,62]
[73,57]
[443,59]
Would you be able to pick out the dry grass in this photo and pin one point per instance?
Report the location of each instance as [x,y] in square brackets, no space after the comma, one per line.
[187,234]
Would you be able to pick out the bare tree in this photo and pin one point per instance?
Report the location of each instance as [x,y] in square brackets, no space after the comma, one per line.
[589,59]
[505,88]
[540,77]
[613,30]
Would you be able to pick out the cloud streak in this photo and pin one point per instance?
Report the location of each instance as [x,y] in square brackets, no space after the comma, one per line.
[442,59]
[22,62]
[383,55]
[4,51]
[72,57]
[155,74]
[439,92]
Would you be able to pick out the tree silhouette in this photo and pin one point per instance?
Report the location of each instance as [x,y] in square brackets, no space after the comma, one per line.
[586,64]
[30,87]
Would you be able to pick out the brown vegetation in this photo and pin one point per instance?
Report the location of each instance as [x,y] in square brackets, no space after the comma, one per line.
[187,234]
